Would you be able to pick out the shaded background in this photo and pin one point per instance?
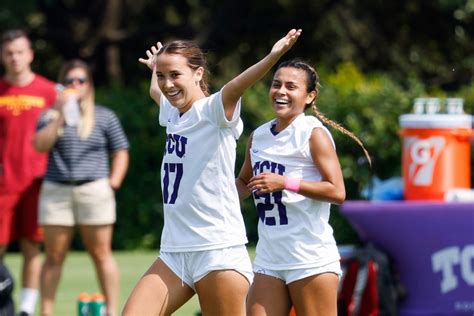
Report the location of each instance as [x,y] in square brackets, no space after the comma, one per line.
[373,57]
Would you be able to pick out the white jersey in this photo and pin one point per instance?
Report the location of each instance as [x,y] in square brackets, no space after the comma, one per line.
[201,204]
[293,230]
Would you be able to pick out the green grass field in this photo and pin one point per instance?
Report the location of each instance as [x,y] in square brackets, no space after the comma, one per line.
[79,276]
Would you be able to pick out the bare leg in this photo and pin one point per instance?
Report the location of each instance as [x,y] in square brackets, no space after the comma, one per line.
[30,277]
[315,295]
[56,244]
[223,293]
[3,250]
[31,263]
[158,292]
[268,296]
[98,242]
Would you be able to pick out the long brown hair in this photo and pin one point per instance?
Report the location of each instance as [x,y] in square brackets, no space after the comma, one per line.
[87,104]
[312,84]
[193,54]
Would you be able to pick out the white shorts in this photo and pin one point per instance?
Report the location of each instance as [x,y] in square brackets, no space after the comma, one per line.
[293,275]
[192,266]
[92,203]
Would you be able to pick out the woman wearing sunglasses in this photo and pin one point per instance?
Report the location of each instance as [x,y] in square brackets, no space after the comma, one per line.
[79,184]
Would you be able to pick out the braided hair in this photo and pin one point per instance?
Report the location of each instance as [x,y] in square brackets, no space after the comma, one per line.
[312,84]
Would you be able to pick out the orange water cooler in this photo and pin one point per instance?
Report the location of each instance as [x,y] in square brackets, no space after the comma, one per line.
[436,154]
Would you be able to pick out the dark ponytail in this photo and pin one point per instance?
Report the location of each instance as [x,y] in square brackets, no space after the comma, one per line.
[312,84]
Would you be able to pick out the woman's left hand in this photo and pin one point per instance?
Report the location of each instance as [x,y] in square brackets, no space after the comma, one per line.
[114,184]
[284,44]
[266,182]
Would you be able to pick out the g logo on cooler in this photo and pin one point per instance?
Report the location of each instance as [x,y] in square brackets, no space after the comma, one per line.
[420,152]
[422,158]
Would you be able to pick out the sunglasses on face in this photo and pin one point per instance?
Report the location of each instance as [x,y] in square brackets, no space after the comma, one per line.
[70,80]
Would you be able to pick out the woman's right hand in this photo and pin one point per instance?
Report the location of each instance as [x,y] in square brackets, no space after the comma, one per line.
[151,56]
[155,92]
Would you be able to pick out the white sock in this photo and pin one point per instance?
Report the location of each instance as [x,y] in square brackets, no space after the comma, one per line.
[28,298]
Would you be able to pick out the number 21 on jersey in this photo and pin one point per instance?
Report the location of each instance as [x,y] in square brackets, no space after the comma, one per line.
[267,202]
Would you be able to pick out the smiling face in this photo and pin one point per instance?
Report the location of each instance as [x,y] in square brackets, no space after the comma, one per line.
[178,82]
[288,93]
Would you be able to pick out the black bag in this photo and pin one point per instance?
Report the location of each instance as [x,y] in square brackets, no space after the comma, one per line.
[7,307]
[369,286]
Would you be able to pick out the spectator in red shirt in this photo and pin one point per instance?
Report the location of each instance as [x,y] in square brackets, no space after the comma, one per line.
[23,96]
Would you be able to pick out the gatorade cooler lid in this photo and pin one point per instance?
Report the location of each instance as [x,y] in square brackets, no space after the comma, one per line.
[436,121]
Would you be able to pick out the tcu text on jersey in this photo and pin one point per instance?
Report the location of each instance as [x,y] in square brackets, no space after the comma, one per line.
[173,172]
[265,209]
[176,144]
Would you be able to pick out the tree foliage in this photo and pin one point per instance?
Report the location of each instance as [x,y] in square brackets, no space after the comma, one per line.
[431,40]
[373,57]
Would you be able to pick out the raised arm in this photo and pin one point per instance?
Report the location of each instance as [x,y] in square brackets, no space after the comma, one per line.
[155,92]
[234,89]
[45,138]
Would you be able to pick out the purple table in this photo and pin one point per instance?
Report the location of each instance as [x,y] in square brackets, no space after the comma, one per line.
[432,244]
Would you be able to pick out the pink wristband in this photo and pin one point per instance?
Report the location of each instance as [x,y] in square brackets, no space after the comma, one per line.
[292,184]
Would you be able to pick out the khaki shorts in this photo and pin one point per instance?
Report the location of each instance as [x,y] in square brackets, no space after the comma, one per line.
[92,203]
[192,266]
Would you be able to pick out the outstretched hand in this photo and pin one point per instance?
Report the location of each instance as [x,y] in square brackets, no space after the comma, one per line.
[284,44]
[151,54]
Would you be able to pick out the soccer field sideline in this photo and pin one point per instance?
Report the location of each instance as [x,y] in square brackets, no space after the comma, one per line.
[79,276]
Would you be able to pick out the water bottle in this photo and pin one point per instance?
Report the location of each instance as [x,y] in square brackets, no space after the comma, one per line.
[433,106]
[454,105]
[71,111]
[98,306]
[419,106]
[83,304]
